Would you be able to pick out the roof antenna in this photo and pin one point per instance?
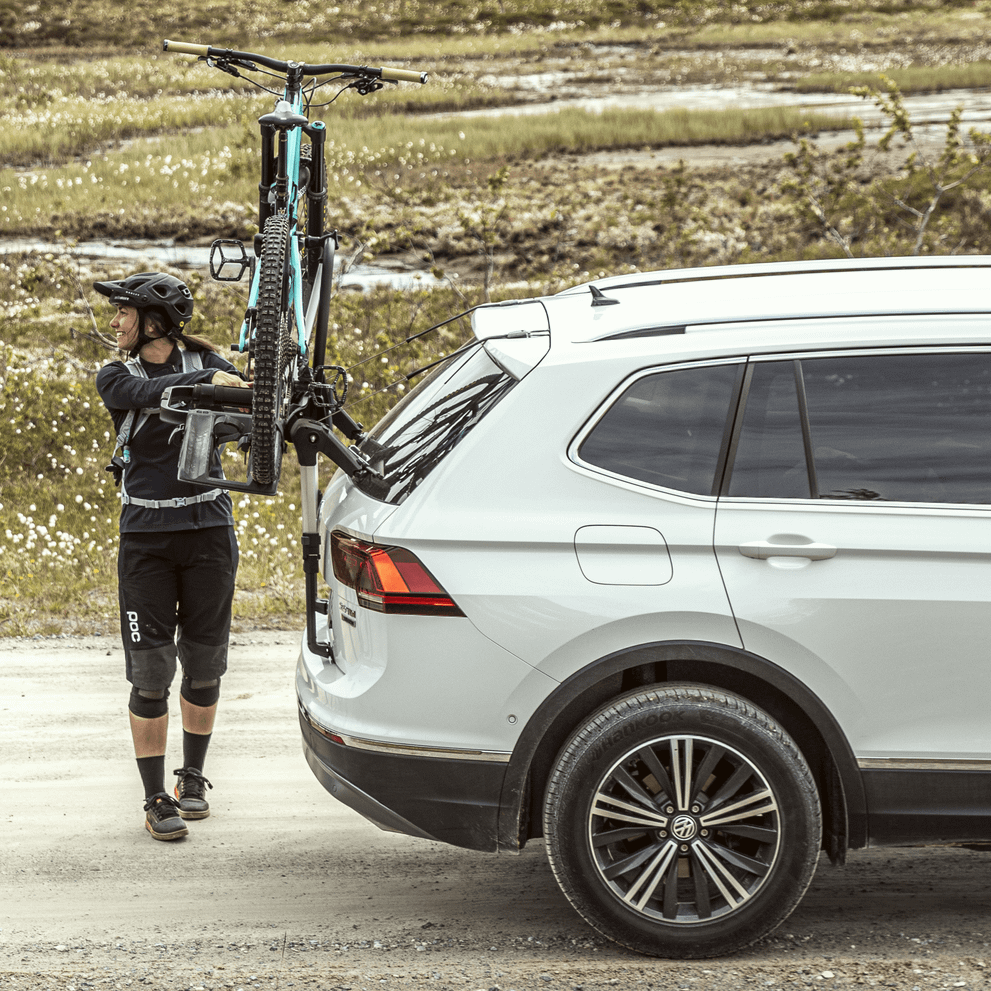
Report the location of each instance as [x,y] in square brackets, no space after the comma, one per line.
[598,299]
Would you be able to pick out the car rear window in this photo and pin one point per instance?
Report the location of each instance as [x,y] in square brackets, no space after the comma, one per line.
[422,429]
[668,428]
[891,427]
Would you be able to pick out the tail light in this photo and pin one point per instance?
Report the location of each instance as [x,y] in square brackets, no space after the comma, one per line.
[388,579]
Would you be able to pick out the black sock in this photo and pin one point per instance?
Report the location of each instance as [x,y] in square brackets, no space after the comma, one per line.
[194,747]
[152,771]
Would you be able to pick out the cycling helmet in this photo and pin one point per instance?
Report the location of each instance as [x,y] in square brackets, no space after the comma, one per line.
[153,291]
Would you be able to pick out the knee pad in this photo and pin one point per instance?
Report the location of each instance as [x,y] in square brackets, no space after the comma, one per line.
[148,703]
[201,693]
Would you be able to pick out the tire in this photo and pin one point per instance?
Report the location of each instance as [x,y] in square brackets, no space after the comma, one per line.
[273,351]
[682,822]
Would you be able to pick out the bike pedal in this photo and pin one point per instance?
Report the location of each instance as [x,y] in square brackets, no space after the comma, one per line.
[220,259]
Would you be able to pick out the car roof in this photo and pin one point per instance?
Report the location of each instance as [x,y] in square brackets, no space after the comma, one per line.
[691,301]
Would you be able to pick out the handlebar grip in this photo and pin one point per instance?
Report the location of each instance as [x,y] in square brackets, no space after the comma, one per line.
[225,395]
[184,48]
[403,75]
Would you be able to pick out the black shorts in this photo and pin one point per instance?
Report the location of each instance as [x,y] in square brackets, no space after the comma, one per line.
[175,591]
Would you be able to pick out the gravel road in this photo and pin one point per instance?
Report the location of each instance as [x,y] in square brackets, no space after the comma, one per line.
[282,887]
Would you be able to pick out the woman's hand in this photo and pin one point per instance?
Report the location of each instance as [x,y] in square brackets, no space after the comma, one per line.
[228,379]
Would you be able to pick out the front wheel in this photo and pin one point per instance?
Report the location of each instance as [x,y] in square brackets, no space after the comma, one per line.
[682,822]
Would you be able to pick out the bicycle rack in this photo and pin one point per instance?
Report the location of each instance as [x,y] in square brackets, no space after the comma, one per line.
[199,412]
[203,429]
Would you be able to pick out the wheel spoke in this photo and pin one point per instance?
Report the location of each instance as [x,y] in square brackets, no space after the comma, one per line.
[713,756]
[681,769]
[729,887]
[758,804]
[610,807]
[731,787]
[611,836]
[703,906]
[656,768]
[633,787]
[642,890]
[670,907]
[756,867]
[760,833]
[631,863]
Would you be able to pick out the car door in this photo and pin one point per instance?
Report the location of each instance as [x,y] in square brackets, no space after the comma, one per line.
[854,538]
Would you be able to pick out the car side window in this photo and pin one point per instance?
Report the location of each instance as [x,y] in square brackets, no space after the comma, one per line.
[667,428]
[896,428]
[770,455]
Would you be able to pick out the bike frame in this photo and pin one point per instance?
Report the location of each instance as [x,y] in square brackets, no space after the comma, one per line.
[278,192]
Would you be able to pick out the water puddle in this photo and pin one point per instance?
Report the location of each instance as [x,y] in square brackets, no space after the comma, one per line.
[157,253]
[924,108]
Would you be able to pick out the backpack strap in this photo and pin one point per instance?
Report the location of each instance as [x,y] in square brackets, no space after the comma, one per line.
[179,501]
[191,361]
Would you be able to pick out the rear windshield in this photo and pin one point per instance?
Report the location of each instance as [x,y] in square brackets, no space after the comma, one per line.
[421,430]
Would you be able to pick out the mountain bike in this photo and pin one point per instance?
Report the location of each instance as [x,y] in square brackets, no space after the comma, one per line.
[294,397]
[291,261]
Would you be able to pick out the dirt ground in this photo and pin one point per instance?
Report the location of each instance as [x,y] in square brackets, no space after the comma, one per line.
[282,887]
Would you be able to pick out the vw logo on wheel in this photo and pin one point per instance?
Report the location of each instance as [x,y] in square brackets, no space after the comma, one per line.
[683,827]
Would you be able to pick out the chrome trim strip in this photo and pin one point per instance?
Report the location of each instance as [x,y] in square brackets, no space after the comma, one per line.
[919,764]
[406,749]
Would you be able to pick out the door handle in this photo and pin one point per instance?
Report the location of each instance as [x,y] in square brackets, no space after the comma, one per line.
[761,550]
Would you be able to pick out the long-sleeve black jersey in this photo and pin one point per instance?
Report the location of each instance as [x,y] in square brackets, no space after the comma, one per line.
[154,461]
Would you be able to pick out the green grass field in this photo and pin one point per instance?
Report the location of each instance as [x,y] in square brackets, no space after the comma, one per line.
[103,135]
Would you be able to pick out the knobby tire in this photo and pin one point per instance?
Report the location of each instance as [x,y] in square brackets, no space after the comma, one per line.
[272,351]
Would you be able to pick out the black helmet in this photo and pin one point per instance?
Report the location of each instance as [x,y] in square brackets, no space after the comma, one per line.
[152,291]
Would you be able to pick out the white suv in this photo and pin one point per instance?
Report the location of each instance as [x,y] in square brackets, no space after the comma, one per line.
[688,573]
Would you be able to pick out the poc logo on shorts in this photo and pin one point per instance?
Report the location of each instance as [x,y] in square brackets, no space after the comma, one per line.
[132,622]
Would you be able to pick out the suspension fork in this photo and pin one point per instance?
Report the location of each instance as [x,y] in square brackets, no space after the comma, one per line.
[316,197]
[265,208]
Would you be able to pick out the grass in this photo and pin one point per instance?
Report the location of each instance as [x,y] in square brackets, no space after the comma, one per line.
[205,181]
[149,144]
[244,23]
[58,507]
[914,79]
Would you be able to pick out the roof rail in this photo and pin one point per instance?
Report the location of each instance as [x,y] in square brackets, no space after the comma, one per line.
[821,265]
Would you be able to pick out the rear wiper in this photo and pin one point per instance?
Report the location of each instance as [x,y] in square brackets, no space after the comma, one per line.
[440,361]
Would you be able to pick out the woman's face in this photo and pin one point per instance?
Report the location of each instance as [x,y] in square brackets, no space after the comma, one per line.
[125,326]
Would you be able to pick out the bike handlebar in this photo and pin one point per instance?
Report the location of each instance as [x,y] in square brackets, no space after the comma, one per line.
[209,51]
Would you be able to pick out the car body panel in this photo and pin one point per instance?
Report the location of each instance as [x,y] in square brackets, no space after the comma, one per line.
[865,635]
[901,604]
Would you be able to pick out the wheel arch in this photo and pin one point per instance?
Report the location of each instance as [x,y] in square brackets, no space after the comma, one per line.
[782,696]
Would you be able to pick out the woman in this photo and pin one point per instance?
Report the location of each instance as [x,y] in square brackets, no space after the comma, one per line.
[178,552]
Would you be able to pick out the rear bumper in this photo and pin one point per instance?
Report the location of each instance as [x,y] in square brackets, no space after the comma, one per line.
[453,801]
